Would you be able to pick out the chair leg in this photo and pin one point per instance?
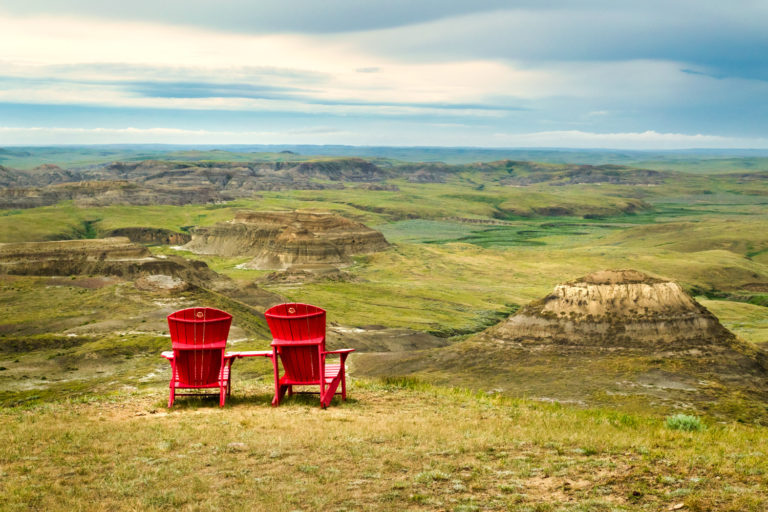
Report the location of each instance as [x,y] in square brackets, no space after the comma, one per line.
[276,400]
[171,396]
[343,384]
[222,395]
[326,396]
[290,390]
[279,394]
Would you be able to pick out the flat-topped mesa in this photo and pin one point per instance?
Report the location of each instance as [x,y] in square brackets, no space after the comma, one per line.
[99,256]
[98,249]
[116,256]
[282,239]
[615,308]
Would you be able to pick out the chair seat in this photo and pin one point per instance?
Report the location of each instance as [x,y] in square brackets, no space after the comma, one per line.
[332,371]
[181,385]
[223,379]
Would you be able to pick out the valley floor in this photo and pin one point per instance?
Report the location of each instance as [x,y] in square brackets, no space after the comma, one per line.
[397,445]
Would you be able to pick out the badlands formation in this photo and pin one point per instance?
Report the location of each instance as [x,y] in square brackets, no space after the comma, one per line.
[288,239]
[615,308]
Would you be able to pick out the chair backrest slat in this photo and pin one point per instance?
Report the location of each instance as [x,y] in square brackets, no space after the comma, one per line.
[298,332]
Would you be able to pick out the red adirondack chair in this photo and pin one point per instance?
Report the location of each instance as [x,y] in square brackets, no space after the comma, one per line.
[298,332]
[198,361]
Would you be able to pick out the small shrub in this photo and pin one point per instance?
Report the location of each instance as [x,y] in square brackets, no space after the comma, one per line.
[587,451]
[509,488]
[685,422]
[431,476]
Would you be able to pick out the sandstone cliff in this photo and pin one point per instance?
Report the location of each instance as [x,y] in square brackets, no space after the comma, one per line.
[279,240]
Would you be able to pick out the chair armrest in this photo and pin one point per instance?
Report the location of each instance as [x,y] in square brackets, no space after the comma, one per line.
[340,351]
[250,353]
[168,354]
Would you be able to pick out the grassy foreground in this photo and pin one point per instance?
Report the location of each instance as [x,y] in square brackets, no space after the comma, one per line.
[401,445]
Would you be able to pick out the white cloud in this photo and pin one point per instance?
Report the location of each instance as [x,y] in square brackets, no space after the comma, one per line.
[84,49]
[38,135]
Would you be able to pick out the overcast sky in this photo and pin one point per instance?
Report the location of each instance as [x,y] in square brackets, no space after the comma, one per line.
[531,73]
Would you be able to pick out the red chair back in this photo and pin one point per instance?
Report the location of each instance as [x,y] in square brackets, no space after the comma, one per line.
[199,338]
[298,332]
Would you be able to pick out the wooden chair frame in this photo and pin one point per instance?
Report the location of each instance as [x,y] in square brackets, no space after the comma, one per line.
[198,360]
[298,332]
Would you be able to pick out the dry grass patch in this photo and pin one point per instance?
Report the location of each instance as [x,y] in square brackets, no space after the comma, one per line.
[389,448]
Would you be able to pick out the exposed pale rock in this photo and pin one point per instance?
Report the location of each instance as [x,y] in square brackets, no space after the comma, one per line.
[161,283]
[614,307]
[282,239]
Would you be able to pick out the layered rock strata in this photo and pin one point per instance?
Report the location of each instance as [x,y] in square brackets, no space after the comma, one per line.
[105,256]
[614,308]
[284,239]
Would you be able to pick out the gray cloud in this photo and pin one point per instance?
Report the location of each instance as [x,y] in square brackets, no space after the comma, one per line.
[728,39]
[725,38]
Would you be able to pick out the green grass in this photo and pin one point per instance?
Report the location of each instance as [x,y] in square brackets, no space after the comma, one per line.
[708,165]
[748,321]
[66,220]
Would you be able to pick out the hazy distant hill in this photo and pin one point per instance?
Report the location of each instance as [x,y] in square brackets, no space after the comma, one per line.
[75,156]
